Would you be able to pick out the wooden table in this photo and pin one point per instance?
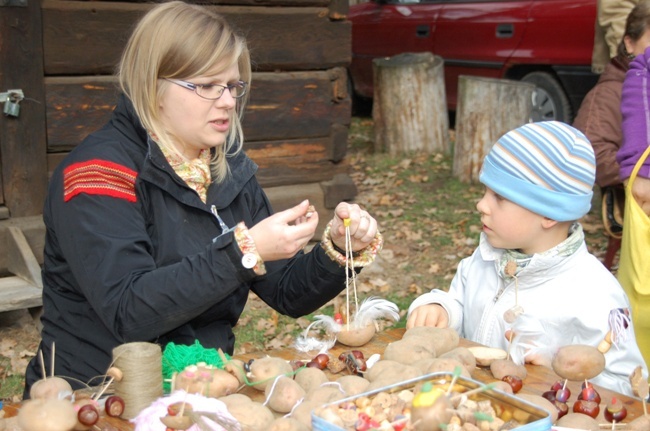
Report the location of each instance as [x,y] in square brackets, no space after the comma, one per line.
[539,379]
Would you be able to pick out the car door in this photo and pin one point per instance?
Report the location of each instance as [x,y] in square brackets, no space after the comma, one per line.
[477,38]
[387,28]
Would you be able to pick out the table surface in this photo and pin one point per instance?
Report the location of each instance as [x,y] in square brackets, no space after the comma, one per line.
[538,380]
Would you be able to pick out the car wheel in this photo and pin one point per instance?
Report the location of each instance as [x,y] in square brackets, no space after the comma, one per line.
[549,100]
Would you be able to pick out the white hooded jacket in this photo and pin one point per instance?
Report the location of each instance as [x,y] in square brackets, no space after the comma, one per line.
[569,298]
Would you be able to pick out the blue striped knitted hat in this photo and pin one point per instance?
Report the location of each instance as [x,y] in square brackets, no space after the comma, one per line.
[546,167]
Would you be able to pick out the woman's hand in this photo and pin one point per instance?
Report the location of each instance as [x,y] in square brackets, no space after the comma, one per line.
[641,192]
[363,227]
[285,233]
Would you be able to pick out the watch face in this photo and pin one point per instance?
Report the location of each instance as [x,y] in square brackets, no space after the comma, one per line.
[249,260]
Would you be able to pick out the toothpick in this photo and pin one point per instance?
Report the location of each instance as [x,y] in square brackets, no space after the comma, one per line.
[96,397]
[53,355]
[457,372]
[42,361]
[473,391]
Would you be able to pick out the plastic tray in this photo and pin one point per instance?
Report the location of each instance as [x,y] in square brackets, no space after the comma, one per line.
[538,418]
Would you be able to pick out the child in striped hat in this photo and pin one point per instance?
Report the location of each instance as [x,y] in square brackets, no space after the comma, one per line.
[531,275]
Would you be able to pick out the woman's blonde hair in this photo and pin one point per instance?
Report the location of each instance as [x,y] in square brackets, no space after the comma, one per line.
[180,41]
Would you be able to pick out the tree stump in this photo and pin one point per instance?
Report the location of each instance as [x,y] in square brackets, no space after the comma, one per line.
[409,104]
[487,109]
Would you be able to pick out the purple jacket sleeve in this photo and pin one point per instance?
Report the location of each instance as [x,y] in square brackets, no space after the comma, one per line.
[635,107]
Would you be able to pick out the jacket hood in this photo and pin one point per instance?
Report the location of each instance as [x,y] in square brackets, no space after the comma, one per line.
[615,70]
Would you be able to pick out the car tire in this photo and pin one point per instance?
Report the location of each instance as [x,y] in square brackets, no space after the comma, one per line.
[549,100]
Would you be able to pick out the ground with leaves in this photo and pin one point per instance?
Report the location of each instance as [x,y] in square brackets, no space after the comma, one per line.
[429,222]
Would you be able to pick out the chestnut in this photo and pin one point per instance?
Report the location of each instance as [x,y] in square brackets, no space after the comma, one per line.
[588,393]
[88,415]
[514,382]
[114,406]
[615,411]
[589,408]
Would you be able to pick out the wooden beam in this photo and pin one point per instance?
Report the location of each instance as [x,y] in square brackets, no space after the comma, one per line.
[21,259]
[314,41]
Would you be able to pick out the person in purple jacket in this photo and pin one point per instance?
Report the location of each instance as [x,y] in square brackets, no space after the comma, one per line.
[635,107]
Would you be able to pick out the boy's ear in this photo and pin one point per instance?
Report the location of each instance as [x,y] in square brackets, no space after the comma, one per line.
[548,223]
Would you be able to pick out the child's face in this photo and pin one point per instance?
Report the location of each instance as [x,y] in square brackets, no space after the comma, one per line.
[510,226]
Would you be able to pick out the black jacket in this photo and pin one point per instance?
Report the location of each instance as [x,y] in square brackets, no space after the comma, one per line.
[151,264]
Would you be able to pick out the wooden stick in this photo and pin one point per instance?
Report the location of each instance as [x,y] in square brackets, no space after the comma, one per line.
[473,391]
[53,355]
[42,361]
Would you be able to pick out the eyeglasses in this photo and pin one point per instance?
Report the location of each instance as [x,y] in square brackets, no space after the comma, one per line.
[213,91]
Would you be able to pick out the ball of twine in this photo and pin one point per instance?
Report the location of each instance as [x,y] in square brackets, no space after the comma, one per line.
[141,384]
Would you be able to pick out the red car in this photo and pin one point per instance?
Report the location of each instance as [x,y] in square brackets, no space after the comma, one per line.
[546,42]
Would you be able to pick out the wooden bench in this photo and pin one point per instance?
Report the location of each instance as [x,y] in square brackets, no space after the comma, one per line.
[21,286]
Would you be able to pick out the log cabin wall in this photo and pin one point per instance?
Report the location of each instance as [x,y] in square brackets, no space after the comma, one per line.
[62,54]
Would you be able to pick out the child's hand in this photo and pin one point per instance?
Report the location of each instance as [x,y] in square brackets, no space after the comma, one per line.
[428,315]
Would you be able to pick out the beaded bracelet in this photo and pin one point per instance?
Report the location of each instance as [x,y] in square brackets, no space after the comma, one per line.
[363,257]
[247,246]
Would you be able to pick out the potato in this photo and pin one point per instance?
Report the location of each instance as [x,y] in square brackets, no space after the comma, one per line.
[236,368]
[485,355]
[48,414]
[235,399]
[288,424]
[409,350]
[578,421]
[444,339]
[378,369]
[502,386]
[325,394]
[505,367]
[446,365]
[464,355]
[394,375]
[205,380]
[641,423]
[310,378]
[283,394]
[540,401]
[578,362]
[355,337]
[302,412]
[252,416]
[423,364]
[353,385]
[264,370]
[50,387]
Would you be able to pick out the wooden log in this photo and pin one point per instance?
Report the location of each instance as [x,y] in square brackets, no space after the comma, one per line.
[409,105]
[314,41]
[286,105]
[487,109]
[22,138]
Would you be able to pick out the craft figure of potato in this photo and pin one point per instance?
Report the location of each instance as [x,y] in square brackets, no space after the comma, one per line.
[48,414]
[283,394]
[578,362]
[506,367]
[49,387]
[355,337]
[264,370]
[310,378]
[206,380]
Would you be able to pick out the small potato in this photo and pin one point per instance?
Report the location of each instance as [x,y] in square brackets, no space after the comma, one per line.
[641,423]
[264,370]
[447,365]
[378,369]
[206,380]
[353,385]
[505,367]
[288,424]
[408,350]
[252,416]
[539,401]
[395,375]
[283,394]
[325,394]
[578,362]
[485,355]
[464,355]
[444,339]
[502,386]
[355,337]
[310,378]
[578,421]
[235,399]
[236,368]
[302,412]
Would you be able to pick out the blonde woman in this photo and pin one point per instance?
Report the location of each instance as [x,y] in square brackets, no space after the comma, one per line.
[157,228]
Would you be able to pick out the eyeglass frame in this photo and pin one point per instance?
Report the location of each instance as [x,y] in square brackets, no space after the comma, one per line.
[195,87]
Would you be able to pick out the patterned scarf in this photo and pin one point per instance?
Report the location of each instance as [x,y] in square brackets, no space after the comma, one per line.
[565,248]
[196,173]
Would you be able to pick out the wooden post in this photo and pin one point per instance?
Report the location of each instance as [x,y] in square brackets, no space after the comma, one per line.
[409,104]
[487,109]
